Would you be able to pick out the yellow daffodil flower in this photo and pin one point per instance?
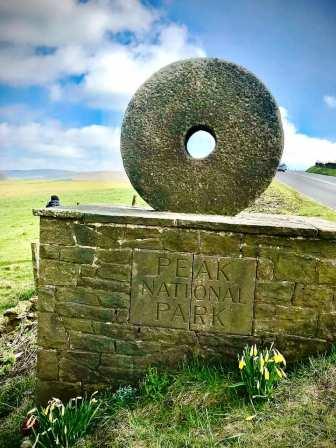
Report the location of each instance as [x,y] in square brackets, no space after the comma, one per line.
[242,364]
[278,358]
[261,363]
[266,373]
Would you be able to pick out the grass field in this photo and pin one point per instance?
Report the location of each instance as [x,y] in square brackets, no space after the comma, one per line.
[322,170]
[18,227]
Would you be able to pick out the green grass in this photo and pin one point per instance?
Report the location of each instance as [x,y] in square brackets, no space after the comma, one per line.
[16,399]
[199,408]
[322,170]
[281,199]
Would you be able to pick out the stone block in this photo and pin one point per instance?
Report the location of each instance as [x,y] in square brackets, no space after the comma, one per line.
[86,270]
[51,332]
[57,273]
[296,268]
[110,236]
[117,360]
[85,296]
[72,323]
[80,311]
[222,244]
[114,272]
[265,269]
[318,247]
[120,376]
[85,235]
[166,335]
[314,296]
[274,292]
[114,299]
[56,231]
[76,254]
[138,348]
[60,389]
[116,331]
[47,364]
[114,256]
[49,251]
[299,348]
[46,299]
[327,272]
[278,319]
[91,342]
[122,315]
[109,285]
[161,288]
[180,240]
[145,243]
[142,232]
[327,326]
[76,366]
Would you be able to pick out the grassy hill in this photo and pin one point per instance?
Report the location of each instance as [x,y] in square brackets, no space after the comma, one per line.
[109,176]
[322,170]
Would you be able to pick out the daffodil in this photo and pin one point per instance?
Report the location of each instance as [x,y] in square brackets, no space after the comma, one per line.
[279,358]
[266,373]
[255,351]
[261,363]
[242,364]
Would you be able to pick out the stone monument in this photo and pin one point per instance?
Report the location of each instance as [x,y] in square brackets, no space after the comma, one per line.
[124,288]
[201,94]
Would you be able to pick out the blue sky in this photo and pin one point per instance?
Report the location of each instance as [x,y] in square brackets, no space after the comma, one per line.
[69,68]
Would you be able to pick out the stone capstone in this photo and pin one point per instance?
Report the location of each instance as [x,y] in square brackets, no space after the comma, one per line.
[207,94]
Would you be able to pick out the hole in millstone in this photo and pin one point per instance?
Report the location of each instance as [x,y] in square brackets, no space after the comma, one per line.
[200,142]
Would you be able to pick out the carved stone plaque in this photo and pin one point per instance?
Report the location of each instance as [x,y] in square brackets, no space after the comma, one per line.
[195,292]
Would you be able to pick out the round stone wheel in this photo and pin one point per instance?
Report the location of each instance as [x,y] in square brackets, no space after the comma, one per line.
[208,94]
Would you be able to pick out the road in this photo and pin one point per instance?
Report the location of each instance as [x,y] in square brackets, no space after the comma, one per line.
[318,187]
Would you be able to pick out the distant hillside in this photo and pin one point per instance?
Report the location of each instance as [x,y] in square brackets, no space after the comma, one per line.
[102,175]
[322,170]
[64,174]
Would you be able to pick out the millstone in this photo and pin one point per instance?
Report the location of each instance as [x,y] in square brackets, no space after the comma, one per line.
[221,98]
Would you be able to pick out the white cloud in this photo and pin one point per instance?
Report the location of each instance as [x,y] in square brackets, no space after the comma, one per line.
[22,66]
[44,42]
[302,151]
[330,101]
[69,22]
[116,71]
[50,145]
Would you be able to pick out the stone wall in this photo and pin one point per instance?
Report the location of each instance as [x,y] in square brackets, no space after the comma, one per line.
[121,289]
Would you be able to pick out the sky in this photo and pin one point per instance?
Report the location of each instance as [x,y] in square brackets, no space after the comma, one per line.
[68,69]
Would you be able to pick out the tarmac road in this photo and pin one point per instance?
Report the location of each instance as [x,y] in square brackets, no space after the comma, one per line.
[317,186]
